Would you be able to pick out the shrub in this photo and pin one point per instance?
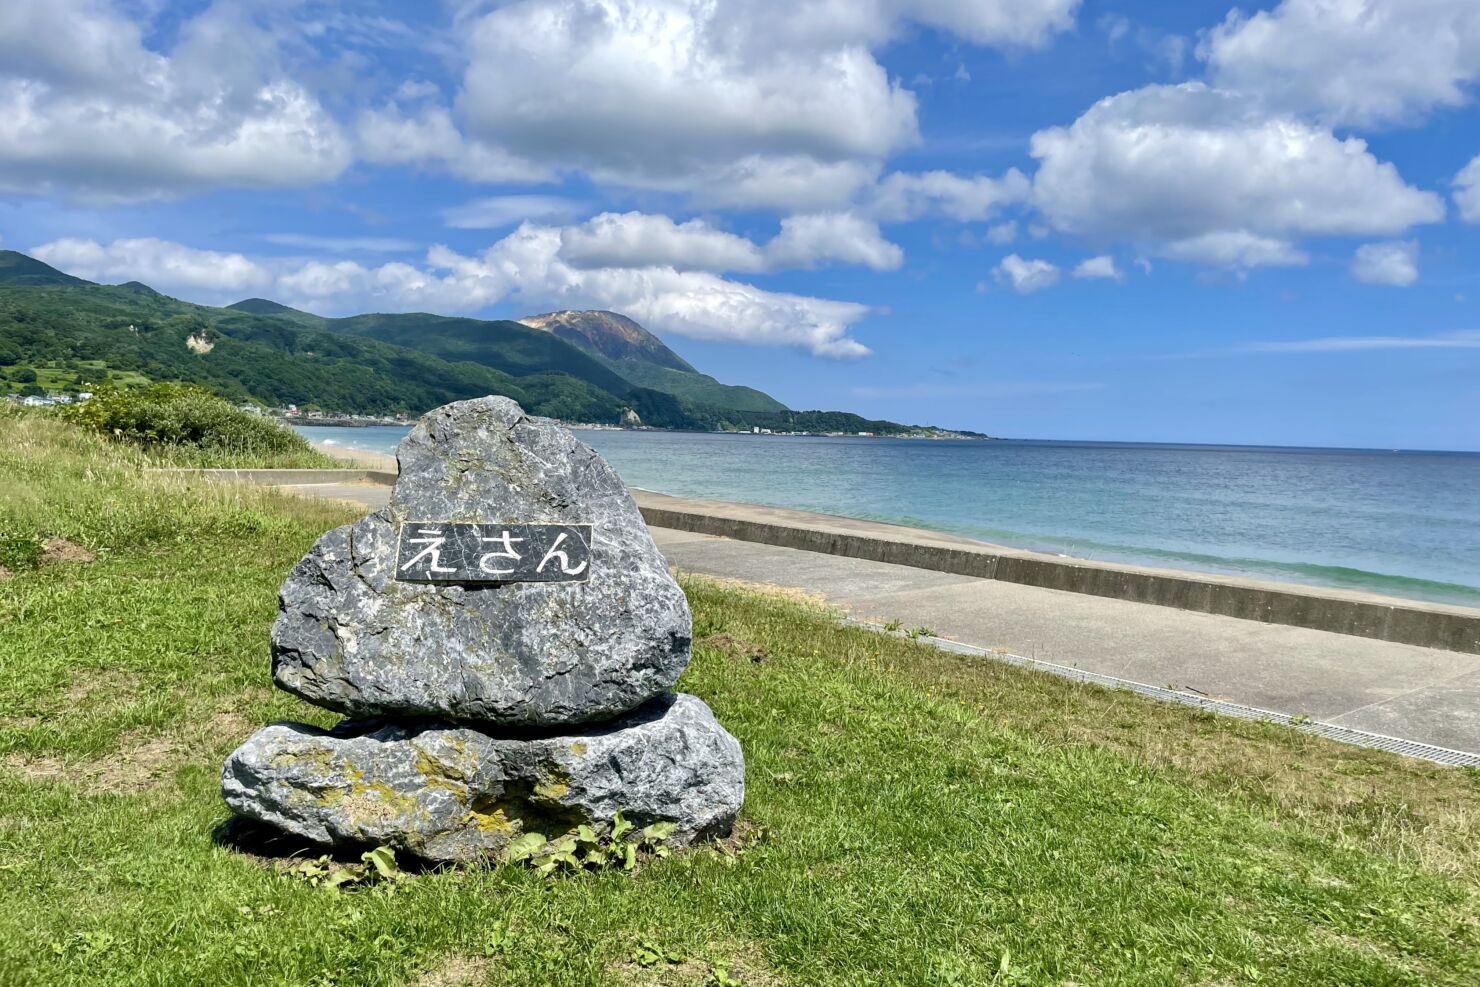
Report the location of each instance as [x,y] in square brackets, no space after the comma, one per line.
[179,415]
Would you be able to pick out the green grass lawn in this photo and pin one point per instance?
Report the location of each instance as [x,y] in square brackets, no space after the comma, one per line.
[928,818]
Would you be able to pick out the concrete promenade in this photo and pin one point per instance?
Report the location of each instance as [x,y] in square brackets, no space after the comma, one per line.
[1424,694]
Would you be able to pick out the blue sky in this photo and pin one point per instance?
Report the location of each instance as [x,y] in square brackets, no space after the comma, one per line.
[1037,218]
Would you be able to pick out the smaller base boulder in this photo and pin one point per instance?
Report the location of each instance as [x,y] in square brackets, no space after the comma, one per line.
[447,793]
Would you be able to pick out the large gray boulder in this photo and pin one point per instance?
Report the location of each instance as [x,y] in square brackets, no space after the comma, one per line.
[448,793]
[353,638]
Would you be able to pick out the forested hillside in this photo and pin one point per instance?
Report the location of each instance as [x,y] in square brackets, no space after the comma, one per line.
[75,335]
[60,333]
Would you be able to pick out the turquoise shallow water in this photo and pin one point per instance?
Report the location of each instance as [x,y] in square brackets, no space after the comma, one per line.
[1402,523]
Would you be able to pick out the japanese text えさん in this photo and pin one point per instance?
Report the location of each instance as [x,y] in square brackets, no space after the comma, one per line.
[459,552]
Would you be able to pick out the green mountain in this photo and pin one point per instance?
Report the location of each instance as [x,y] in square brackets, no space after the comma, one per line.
[59,333]
[261,306]
[604,349]
[17,268]
[76,335]
[510,346]
[642,359]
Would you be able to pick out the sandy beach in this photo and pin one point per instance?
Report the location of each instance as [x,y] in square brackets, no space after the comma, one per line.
[359,457]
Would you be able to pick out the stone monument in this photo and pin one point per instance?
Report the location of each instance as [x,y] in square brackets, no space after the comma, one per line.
[506,636]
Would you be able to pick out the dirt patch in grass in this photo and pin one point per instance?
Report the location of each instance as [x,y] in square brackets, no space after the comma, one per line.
[456,971]
[230,725]
[744,965]
[734,647]
[35,768]
[60,551]
[139,763]
[20,722]
[107,683]
[743,835]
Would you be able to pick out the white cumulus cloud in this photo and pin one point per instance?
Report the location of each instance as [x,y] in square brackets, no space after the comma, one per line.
[1394,262]
[1236,249]
[637,239]
[1356,62]
[426,136]
[1212,175]
[775,104]
[901,196]
[85,107]
[767,103]
[157,262]
[1026,276]
[810,240]
[634,239]
[1467,191]
[667,92]
[1099,267]
[1003,233]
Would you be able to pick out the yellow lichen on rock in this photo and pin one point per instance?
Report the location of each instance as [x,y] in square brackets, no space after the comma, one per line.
[373,804]
[492,819]
[551,787]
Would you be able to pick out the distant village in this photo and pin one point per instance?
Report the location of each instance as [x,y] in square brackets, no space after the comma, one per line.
[294,415]
[45,400]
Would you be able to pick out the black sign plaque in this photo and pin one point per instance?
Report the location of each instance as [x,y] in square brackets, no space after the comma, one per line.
[448,552]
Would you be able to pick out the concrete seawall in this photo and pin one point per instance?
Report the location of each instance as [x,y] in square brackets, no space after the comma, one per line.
[1383,618]
[1359,614]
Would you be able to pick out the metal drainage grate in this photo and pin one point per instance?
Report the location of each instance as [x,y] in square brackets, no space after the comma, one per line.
[1344,735]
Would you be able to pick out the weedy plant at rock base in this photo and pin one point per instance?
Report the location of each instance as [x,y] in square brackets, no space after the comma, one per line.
[377,866]
[619,845]
[932,818]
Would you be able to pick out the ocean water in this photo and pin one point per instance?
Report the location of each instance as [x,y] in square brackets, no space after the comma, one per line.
[1401,523]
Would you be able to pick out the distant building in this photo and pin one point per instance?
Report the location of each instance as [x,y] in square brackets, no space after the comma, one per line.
[35,401]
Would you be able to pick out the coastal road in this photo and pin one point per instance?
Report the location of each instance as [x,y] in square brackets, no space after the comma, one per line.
[1421,694]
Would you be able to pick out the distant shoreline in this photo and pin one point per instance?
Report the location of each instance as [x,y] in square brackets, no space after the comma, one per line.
[943,435]
[1342,610]
[359,457]
[1004,489]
